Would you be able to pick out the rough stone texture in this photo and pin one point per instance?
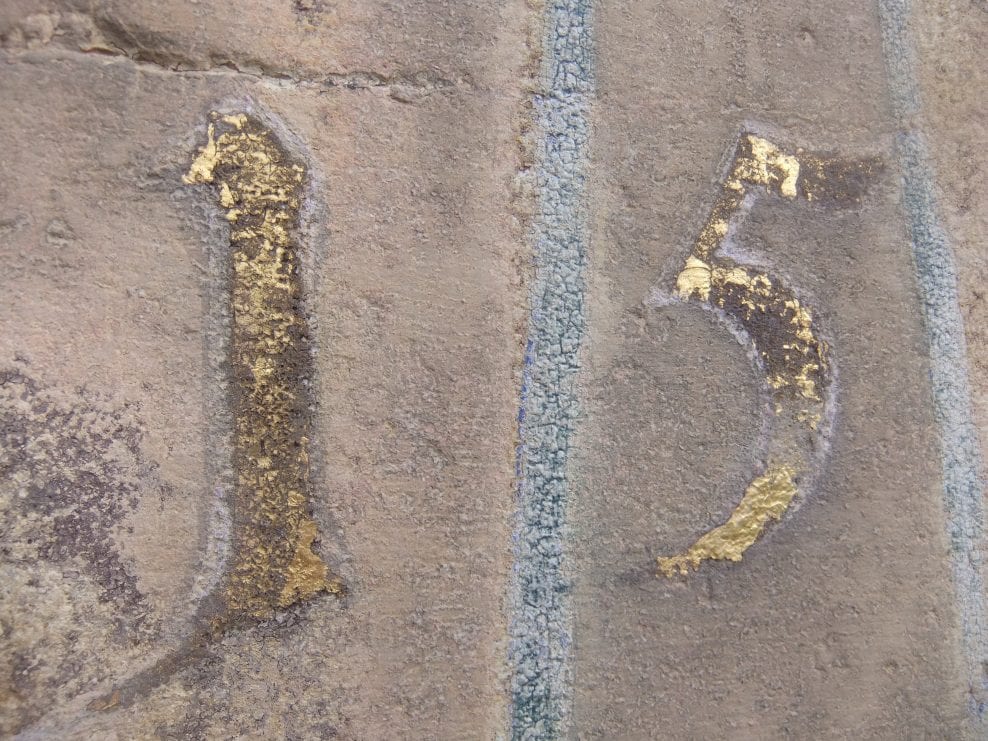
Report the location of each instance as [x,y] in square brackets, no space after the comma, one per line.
[841,622]
[415,290]
[434,43]
[951,68]
[413,117]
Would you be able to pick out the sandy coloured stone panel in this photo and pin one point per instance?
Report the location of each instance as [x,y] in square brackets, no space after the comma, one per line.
[841,619]
[112,284]
[413,47]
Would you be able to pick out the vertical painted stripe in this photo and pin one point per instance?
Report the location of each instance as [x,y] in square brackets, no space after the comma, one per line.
[541,626]
[937,278]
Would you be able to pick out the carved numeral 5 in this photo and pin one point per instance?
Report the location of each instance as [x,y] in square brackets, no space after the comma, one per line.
[778,326]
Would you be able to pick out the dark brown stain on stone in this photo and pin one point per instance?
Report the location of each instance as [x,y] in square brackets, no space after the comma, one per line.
[76,470]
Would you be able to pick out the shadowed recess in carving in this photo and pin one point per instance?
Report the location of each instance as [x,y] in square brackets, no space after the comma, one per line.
[778,325]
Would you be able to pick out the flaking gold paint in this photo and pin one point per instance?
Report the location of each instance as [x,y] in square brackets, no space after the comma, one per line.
[694,278]
[780,324]
[811,419]
[762,163]
[260,186]
[799,365]
[765,499]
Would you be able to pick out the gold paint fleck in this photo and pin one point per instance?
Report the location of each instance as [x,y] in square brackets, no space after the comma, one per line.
[765,499]
[260,186]
[695,278]
[761,162]
[811,419]
[102,704]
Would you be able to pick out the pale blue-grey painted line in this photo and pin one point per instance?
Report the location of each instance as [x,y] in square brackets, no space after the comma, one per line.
[540,632]
[937,277]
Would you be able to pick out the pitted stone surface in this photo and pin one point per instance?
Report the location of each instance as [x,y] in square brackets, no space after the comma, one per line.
[113,280]
[498,189]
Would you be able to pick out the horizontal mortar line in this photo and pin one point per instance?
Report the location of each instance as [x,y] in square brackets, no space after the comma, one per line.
[354,80]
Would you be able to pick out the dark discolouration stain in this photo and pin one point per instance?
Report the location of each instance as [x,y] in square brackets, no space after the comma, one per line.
[311,12]
[774,327]
[77,470]
[827,179]
[71,471]
[139,43]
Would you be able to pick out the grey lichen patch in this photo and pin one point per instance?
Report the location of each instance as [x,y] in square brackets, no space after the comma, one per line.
[936,273]
[58,639]
[540,628]
[71,470]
